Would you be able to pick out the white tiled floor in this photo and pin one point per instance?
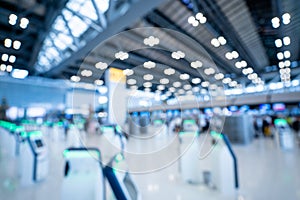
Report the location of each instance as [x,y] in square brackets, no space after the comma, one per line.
[266,172]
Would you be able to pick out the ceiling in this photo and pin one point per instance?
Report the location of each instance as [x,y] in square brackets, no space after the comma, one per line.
[245,24]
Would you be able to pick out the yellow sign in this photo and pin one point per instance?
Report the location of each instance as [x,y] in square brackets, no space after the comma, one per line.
[116,75]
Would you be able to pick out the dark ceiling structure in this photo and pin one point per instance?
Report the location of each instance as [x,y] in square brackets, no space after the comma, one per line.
[210,31]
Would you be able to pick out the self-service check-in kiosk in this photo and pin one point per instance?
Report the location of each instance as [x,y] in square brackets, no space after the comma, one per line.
[120,180]
[83,178]
[34,159]
[9,138]
[283,134]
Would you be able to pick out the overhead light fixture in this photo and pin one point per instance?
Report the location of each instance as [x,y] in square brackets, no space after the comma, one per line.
[205,84]
[181,91]
[187,87]
[86,73]
[281,64]
[19,73]
[209,71]
[4,57]
[7,42]
[243,63]
[161,87]
[133,87]
[286,40]
[196,81]
[184,76]
[99,82]
[12,19]
[238,64]
[275,22]
[178,55]
[286,18]
[128,72]
[131,81]
[2,67]
[9,68]
[24,22]
[147,84]
[177,84]
[149,65]
[196,64]
[12,59]
[169,71]
[148,77]
[16,44]
[101,65]
[151,41]
[121,55]
[226,80]
[287,54]
[287,63]
[278,43]
[172,89]
[233,84]
[235,54]
[191,20]
[147,90]
[164,81]
[229,56]
[195,23]
[215,42]
[196,89]
[75,78]
[222,40]
[280,55]
[102,100]
[219,76]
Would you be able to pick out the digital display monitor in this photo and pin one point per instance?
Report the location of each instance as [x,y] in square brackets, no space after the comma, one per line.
[244,108]
[233,108]
[38,143]
[36,112]
[264,107]
[207,110]
[278,106]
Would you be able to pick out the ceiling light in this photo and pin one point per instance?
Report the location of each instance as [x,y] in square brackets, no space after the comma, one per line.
[196,89]
[243,63]
[169,71]
[131,81]
[235,54]
[205,84]
[184,76]
[16,44]
[128,72]
[178,55]
[121,55]
[229,56]
[196,64]
[7,42]
[147,89]
[75,78]
[238,65]
[2,67]
[12,19]
[98,82]
[149,64]
[209,71]
[245,71]
[233,84]
[19,73]
[161,87]
[226,80]
[196,80]
[287,63]
[275,22]
[101,65]
[222,40]
[187,87]
[286,18]
[219,76]
[199,15]
[148,77]
[86,73]
[191,19]
[202,20]
[215,42]
[278,43]
[195,23]
[181,91]
[147,84]
[281,64]
[151,41]
[9,68]
[172,89]
[177,84]
[4,57]
[286,40]
[24,23]
[164,81]
[280,55]
[287,54]
[12,59]
[102,100]
[133,87]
